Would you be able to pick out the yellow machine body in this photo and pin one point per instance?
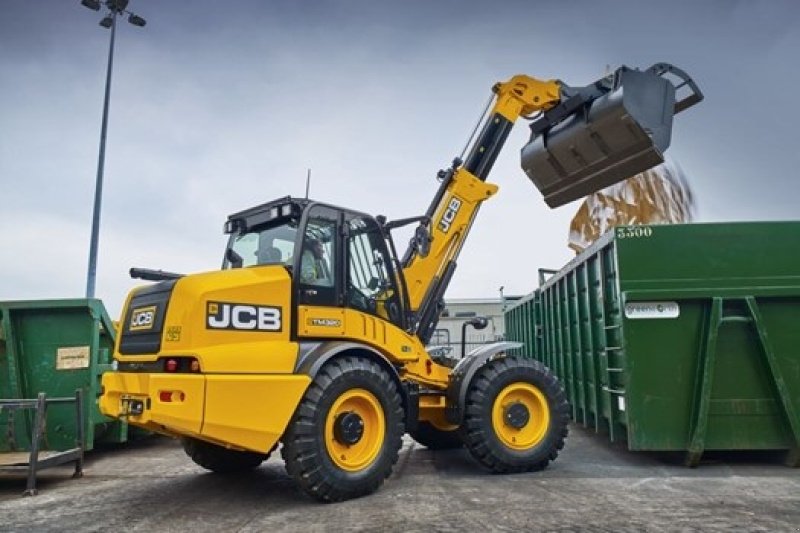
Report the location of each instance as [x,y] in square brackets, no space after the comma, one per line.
[246,390]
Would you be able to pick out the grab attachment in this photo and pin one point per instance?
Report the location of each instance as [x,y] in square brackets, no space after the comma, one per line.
[605,132]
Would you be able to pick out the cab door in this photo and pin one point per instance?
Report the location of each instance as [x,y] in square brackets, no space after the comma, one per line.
[370,281]
[318,274]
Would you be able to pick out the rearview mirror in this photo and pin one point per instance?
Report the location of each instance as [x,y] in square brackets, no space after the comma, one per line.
[422,240]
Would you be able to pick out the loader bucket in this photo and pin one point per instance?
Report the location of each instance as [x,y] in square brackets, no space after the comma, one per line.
[605,133]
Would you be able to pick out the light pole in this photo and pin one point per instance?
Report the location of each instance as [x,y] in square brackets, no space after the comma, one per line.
[115,8]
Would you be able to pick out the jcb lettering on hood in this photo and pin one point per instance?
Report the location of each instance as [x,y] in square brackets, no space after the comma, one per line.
[245,317]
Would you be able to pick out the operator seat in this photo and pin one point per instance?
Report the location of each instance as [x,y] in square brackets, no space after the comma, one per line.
[269,254]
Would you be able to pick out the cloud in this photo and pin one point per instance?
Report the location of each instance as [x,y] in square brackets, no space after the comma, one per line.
[216,109]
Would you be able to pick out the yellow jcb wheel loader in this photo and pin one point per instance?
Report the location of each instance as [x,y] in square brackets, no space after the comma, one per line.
[313,334]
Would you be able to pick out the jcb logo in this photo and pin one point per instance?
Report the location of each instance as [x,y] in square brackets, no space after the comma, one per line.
[143,318]
[222,315]
[449,214]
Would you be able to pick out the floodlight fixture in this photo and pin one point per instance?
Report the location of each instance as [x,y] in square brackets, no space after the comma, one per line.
[94,5]
[137,20]
[117,5]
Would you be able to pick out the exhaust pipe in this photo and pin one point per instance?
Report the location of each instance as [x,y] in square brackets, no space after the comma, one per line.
[605,132]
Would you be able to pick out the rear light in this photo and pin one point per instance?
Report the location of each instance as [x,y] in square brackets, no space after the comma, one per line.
[180,364]
[168,396]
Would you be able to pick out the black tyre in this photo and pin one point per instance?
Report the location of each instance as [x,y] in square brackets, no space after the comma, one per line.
[345,435]
[220,459]
[515,417]
[434,438]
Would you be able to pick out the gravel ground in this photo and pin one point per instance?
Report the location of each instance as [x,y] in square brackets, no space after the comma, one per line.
[151,485]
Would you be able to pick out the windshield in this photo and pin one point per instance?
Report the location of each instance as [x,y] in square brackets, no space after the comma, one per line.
[264,245]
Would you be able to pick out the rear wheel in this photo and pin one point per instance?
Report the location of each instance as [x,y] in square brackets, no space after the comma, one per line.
[219,459]
[515,417]
[345,435]
[435,438]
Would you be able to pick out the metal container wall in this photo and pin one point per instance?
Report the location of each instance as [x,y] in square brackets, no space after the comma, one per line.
[56,347]
[677,337]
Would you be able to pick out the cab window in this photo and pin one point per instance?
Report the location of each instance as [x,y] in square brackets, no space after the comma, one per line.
[317,273]
[264,245]
[369,282]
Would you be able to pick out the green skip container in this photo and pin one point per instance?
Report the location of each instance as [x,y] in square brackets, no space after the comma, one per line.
[677,337]
[55,347]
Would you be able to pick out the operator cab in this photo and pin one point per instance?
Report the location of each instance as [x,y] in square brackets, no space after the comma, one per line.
[336,257]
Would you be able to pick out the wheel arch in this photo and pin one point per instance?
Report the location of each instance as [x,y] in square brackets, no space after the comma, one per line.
[313,355]
[465,370]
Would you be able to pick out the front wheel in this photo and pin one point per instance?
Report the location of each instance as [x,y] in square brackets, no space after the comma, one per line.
[515,417]
[345,435]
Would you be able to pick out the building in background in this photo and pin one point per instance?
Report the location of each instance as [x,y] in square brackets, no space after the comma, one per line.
[457,311]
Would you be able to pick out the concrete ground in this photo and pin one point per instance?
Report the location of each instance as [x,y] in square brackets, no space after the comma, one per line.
[594,486]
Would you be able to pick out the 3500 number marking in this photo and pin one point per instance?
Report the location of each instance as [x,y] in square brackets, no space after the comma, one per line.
[634,232]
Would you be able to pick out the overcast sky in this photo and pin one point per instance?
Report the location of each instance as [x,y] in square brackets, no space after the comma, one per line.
[217,106]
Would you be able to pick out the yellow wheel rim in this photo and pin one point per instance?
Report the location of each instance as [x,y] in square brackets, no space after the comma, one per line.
[535,426]
[361,454]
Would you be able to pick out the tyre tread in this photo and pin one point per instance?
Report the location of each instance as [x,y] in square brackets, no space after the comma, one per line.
[477,430]
[303,450]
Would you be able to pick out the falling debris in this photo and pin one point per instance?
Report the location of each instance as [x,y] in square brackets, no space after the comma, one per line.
[660,195]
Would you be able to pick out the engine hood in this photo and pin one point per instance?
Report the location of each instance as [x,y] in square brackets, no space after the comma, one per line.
[206,310]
